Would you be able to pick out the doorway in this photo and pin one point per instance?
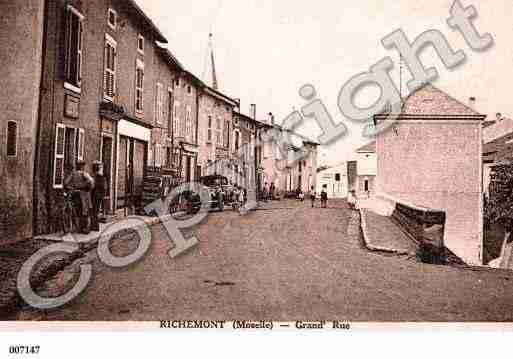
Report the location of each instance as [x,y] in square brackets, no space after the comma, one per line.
[106,159]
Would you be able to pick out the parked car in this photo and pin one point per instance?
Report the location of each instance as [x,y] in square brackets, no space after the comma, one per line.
[219,190]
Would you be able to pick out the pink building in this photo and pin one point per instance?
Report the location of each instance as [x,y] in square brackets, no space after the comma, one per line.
[431,158]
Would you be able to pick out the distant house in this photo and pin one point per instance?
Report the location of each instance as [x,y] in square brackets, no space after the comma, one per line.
[497,147]
[335,180]
[431,157]
[366,169]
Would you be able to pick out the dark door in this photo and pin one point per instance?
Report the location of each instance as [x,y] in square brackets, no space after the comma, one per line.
[187,169]
[107,148]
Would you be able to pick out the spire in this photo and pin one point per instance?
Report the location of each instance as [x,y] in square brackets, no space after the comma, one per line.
[212,62]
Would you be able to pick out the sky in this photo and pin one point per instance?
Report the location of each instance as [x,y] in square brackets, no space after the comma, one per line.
[266,50]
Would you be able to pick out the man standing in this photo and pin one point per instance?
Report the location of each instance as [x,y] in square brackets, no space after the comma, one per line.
[312,196]
[324,197]
[81,184]
[98,194]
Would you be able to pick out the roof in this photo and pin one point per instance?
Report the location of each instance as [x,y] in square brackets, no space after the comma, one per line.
[220,96]
[368,148]
[429,101]
[168,56]
[246,117]
[148,22]
[497,130]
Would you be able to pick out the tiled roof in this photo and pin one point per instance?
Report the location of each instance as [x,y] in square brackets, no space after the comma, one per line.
[368,148]
[430,101]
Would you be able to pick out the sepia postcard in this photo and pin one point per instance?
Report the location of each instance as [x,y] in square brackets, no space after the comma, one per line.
[254,166]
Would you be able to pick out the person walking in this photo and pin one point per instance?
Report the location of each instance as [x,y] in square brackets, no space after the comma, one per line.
[98,194]
[271,191]
[324,198]
[265,192]
[312,196]
[81,183]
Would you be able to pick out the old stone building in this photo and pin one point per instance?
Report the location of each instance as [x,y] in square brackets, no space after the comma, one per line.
[21,33]
[98,99]
[431,158]
[215,123]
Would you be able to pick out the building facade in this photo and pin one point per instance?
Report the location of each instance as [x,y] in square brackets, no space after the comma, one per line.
[103,99]
[366,169]
[22,34]
[431,157]
[334,180]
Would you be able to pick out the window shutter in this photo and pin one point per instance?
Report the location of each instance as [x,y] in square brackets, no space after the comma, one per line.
[58,172]
[79,52]
[80,149]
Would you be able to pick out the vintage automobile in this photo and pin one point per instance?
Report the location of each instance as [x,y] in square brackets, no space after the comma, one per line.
[220,193]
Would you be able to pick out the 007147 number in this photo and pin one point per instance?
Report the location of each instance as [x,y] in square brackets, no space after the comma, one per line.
[24,349]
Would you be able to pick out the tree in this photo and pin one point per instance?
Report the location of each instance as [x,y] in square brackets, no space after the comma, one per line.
[499,206]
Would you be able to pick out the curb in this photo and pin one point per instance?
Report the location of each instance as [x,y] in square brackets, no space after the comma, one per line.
[371,247]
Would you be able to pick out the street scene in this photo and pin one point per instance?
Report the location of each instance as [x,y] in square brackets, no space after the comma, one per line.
[137,187]
[235,272]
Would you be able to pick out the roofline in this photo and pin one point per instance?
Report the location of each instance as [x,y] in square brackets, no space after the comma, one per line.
[221,96]
[424,117]
[246,117]
[168,55]
[194,79]
[159,36]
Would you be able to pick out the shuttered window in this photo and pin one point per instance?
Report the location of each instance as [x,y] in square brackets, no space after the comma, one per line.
[74,31]
[188,123]
[159,104]
[80,144]
[12,138]
[58,172]
[209,131]
[109,75]
[139,86]
[176,119]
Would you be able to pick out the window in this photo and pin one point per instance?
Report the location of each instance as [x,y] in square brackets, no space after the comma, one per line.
[12,138]
[109,74]
[69,147]
[159,104]
[236,142]
[112,19]
[74,30]
[209,131]
[226,134]
[188,123]
[189,89]
[176,119]
[140,44]
[219,132]
[157,157]
[177,82]
[337,177]
[139,86]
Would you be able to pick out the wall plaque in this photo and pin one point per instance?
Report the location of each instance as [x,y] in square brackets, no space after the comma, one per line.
[71,106]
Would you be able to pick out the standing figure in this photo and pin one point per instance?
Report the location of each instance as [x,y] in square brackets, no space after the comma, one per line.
[98,194]
[80,183]
[271,191]
[265,192]
[312,196]
[324,198]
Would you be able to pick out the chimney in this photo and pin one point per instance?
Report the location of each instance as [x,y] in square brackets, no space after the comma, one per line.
[252,111]
[271,118]
[472,102]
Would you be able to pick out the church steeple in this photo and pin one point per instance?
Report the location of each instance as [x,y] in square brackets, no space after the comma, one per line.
[212,62]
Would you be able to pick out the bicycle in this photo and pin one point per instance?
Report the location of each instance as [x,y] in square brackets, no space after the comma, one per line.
[69,213]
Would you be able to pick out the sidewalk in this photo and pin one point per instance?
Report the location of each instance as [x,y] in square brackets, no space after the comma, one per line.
[12,258]
[380,233]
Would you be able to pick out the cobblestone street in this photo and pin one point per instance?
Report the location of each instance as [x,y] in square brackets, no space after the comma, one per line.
[286,262]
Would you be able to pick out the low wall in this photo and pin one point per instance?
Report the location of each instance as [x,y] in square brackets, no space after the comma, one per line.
[426,227]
